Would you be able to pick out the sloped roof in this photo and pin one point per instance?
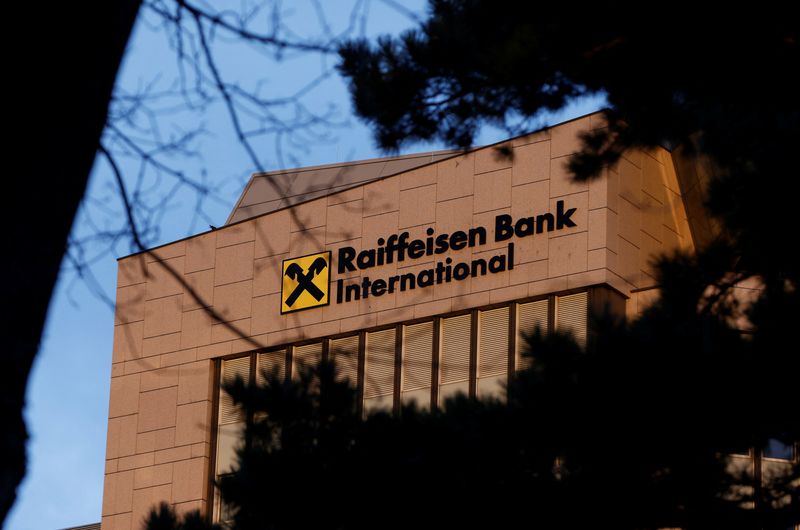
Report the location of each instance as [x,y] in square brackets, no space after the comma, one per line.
[266,192]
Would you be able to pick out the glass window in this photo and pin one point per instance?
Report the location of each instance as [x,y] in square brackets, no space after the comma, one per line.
[778,450]
[417,364]
[306,356]
[493,331]
[530,317]
[344,352]
[572,313]
[379,371]
[455,354]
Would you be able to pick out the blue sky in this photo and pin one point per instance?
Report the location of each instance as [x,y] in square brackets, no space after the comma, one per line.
[67,400]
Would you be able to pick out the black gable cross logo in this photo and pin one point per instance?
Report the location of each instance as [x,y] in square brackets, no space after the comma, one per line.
[305,282]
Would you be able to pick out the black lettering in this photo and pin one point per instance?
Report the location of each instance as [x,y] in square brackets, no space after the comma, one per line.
[524,227]
[339,290]
[378,287]
[540,219]
[425,278]
[479,233]
[497,264]
[478,264]
[408,278]
[416,249]
[439,272]
[502,227]
[346,255]
[564,217]
[365,286]
[392,281]
[458,240]
[460,271]
[442,245]
[352,292]
[366,259]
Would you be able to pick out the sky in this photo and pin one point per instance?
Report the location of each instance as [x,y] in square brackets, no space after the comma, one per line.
[67,396]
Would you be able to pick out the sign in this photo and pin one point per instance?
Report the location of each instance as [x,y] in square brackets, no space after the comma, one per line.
[305,282]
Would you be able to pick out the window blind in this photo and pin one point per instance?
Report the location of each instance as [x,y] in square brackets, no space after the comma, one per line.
[571,315]
[530,316]
[344,352]
[379,364]
[228,412]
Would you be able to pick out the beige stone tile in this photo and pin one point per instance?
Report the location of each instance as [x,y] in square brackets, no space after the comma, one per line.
[302,318]
[628,262]
[672,241]
[550,285]
[234,264]
[531,248]
[653,178]
[598,228]
[629,222]
[146,442]
[530,199]
[437,307]
[612,230]
[566,137]
[650,251]
[344,221]
[418,177]
[235,234]
[118,493]
[272,234]
[562,181]
[596,259]
[394,315]
[597,121]
[236,329]
[449,289]
[131,270]
[192,423]
[613,190]
[121,439]
[201,449]
[323,329]
[525,273]
[652,215]
[200,252]
[128,341]
[201,283]
[147,499]
[141,365]
[135,461]
[492,158]
[168,251]
[335,248]
[213,350]
[454,215]
[194,382]
[111,466]
[409,296]
[538,136]
[618,283]
[266,314]
[506,294]
[130,304]
[308,215]
[673,210]
[180,357]
[161,378]
[468,301]
[490,281]
[486,220]
[417,206]
[157,409]
[233,301]
[585,279]
[307,242]
[567,254]
[357,323]
[196,329]
[454,177]
[183,508]
[164,439]
[531,163]
[162,316]
[120,521]
[173,454]
[117,369]
[334,311]
[147,477]
[268,274]
[189,480]
[164,278]
[161,344]
[382,196]
[124,396]
[351,194]
[634,156]
[630,182]
[492,191]
[599,190]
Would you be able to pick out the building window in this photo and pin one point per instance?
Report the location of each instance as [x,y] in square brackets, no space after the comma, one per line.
[454,365]
[379,371]
[493,332]
[530,317]
[417,364]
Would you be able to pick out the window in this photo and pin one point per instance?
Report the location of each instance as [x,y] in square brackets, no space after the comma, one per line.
[454,360]
[417,364]
[379,370]
[493,331]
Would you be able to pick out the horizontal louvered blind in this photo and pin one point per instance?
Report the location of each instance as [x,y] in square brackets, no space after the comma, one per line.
[269,362]
[344,352]
[417,356]
[493,344]
[306,356]
[530,317]
[456,332]
[228,412]
[571,315]
[379,364]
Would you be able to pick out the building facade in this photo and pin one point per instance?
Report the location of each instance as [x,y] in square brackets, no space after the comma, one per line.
[418,274]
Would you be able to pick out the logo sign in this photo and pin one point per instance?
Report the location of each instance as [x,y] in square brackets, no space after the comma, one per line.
[305,282]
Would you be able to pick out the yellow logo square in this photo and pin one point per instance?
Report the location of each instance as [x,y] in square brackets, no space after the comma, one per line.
[305,282]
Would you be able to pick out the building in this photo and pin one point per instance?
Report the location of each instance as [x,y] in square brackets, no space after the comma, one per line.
[417,272]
